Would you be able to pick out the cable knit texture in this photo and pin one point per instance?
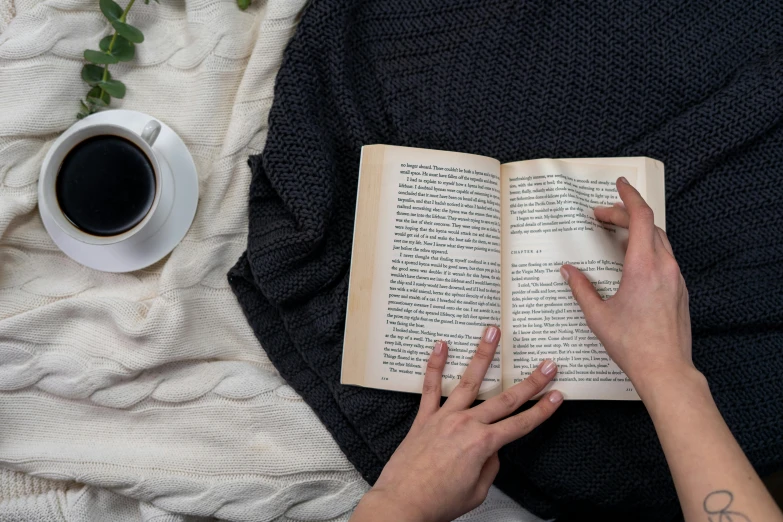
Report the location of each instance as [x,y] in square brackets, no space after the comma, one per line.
[14,484]
[698,85]
[86,504]
[151,383]
[7,12]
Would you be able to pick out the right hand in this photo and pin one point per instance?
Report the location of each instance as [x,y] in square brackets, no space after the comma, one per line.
[646,326]
[447,462]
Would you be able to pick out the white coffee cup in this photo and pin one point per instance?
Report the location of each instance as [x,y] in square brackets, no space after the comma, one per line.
[144,140]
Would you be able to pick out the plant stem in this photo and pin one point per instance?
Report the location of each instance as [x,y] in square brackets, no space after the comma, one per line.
[125,13]
[111,44]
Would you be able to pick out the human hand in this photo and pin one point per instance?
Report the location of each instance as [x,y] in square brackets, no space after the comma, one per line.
[646,326]
[447,462]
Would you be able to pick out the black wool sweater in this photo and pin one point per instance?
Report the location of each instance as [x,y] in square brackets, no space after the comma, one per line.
[697,85]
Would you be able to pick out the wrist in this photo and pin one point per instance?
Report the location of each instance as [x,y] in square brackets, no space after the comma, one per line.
[379,505]
[658,388]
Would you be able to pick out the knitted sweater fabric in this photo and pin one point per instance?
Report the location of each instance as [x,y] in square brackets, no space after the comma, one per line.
[697,85]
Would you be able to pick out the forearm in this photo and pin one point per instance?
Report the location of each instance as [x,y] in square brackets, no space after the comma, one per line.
[377,507]
[710,471]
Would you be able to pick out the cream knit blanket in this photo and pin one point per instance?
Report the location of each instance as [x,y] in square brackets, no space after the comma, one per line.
[147,391]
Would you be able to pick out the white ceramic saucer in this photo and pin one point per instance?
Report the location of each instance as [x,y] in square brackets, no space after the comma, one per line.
[133,254]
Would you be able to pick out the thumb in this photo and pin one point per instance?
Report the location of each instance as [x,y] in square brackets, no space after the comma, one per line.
[584,292]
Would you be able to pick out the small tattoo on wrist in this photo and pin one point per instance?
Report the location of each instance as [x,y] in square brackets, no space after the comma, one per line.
[717,506]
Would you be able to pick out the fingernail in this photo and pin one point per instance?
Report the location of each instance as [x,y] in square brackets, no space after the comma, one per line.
[555,397]
[438,347]
[623,180]
[491,334]
[548,368]
[564,273]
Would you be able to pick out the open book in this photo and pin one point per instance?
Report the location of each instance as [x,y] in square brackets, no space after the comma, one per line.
[446,243]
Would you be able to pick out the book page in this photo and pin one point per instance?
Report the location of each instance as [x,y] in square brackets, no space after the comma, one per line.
[548,221]
[427,268]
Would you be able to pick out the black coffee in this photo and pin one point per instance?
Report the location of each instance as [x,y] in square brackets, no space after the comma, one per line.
[106,185]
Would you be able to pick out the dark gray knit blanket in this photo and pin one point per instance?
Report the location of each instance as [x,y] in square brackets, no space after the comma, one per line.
[696,84]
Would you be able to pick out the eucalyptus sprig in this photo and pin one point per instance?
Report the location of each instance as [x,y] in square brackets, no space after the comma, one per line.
[119,47]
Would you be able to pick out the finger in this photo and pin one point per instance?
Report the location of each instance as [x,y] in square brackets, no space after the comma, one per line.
[521,424]
[583,290]
[664,240]
[641,225]
[616,215]
[503,405]
[431,390]
[487,476]
[467,390]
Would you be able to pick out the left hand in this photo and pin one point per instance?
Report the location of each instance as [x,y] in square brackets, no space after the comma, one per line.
[447,462]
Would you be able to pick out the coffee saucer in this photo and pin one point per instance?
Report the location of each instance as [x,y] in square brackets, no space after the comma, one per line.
[133,254]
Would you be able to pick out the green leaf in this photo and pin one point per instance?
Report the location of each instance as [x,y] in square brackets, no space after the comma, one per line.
[103,101]
[243,4]
[97,97]
[114,87]
[123,49]
[111,9]
[128,31]
[92,74]
[83,110]
[99,57]
[97,102]
[105,43]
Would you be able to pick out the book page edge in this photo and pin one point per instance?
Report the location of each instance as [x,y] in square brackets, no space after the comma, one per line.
[362,272]
[656,190]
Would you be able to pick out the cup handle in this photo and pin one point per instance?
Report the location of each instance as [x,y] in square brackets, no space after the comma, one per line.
[151,132]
